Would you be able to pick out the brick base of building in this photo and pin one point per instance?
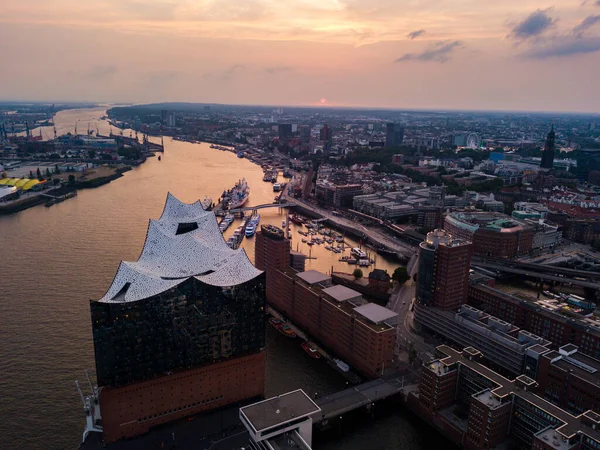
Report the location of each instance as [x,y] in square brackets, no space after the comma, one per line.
[132,410]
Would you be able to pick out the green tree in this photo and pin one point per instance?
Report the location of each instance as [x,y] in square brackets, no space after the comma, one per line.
[31,174]
[71,179]
[358,274]
[91,154]
[39,174]
[400,275]
[56,169]
[412,353]
[48,174]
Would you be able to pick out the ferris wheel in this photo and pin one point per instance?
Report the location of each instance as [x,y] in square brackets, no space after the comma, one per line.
[473,141]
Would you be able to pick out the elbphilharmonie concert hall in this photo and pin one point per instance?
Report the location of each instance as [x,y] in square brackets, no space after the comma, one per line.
[181,330]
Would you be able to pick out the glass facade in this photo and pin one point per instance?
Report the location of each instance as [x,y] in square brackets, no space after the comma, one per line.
[182,328]
[426,275]
[528,420]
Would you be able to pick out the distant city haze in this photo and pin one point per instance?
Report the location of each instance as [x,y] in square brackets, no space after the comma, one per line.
[434,54]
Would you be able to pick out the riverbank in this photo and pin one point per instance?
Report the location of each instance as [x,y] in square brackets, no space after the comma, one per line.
[89,180]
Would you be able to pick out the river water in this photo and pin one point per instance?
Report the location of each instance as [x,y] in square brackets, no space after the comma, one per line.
[57,259]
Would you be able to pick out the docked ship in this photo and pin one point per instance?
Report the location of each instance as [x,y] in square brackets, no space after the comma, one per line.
[252,225]
[237,196]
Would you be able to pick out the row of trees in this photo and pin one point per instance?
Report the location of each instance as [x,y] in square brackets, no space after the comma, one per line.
[400,275]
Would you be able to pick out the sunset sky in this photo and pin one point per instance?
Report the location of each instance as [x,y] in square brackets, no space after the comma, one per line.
[472,54]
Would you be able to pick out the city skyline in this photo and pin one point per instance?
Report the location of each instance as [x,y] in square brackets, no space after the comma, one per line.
[530,56]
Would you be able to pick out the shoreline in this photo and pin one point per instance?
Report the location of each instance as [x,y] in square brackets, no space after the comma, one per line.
[41,198]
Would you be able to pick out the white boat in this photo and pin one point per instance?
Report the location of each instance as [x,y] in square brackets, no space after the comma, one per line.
[358,253]
[342,365]
[250,230]
[254,220]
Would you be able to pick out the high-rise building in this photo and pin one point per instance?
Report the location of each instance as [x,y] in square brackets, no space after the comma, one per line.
[394,135]
[285,132]
[325,134]
[271,253]
[304,133]
[492,233]
[443,276]
[181,330]
[171,121]
[548,153]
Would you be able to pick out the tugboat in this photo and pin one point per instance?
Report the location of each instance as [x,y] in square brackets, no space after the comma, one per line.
[282,328]
[287,331]
[312,352]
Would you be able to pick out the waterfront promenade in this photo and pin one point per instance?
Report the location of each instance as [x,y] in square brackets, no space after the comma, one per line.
[370,233]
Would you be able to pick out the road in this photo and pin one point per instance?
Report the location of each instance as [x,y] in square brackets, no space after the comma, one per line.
[400,302]
[405,249]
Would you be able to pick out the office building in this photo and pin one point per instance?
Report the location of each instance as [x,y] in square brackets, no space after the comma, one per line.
[478,408]
[504,346]
[443,274]
[555,321]
[362,334]
[171,120]
[338,195]
[282,422]
[569,379]
[272,252]
[492,234]
[285,133]
[394,135]
[548,152]
[181,330]
[325,134]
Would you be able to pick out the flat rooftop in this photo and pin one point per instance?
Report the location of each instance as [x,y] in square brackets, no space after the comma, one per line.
[582,366]
[342,293]
[277,410]
[314,277]
[375,313]
[551,437]
[570,424]
[486,397]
